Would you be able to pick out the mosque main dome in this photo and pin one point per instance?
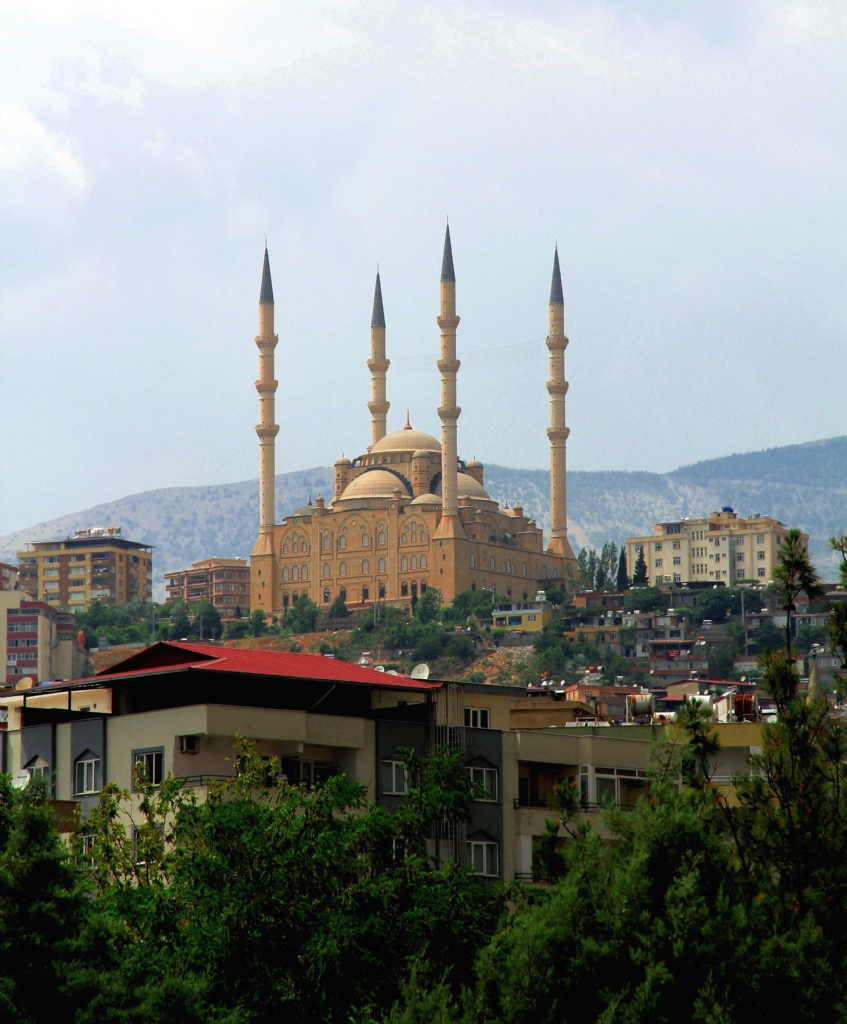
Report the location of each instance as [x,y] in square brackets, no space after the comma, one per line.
[375,483]
[406,440]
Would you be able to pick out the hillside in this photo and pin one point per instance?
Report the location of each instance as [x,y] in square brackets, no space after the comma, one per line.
[802,485]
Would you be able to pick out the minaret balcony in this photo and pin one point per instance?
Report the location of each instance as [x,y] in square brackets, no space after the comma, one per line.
[555,387]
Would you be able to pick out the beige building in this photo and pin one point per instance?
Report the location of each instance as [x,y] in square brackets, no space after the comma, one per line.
[409,513]
[96,564]
[720,548]
[225,582]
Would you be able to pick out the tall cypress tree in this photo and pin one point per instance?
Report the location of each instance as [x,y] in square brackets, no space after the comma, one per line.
[639,578]
[623,581]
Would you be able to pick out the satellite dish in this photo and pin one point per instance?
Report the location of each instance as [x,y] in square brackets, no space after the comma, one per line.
[24,684]
[391,672]
[379,668]
[21,780]
[420,671]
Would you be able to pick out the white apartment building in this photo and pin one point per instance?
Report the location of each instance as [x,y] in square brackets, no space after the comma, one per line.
[720,548]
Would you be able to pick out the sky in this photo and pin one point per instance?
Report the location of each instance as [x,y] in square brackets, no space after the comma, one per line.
[690,160]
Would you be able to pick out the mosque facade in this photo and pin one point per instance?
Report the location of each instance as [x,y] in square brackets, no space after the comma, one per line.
[409,513]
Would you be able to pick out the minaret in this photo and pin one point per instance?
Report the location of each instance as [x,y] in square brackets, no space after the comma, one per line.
[266,428]
[378,365]
[557,387]
[448,411]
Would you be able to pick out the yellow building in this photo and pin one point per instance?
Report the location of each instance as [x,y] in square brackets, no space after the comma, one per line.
[96,564]
[722,547]
[408,513]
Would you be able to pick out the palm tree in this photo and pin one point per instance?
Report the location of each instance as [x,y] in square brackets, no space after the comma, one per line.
[795,575]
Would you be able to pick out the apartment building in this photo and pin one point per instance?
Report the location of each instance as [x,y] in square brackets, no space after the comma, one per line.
[179,708]
[225,582]
[40,642]
[93,565]
[8,576]
[722,547]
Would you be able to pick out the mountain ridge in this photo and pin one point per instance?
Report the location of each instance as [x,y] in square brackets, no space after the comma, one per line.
[802,485]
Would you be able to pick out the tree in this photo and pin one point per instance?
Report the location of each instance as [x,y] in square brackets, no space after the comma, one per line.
[622,581]
[795,575]
[766,636]
[645,599]
[257,622]
[180,622]
[639,577]
[207,621]
[338,608]
[460,646]
[302,616]
[428,607]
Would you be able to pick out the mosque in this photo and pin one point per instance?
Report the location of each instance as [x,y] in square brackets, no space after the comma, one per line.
[407,514]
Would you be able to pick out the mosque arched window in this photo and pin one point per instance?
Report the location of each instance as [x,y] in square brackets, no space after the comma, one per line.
[544,572]
[342,541]
[342,568]
[326,569]
[414,536]
[555,573]
[285,602]
[492,565]
[295,572]
[473,560]
[327,543]
[404,589]
[366,541]
[380,539]
[366,593]
[365,567]
[414,590]
[422,536]
[414,561]
[285,549]
[343,593]
[380,567]
[423,561]
[294,547]
[523,568]
[502,567]
[404,564]
[473,584]
[326,597]
[304,572]
[423,587]
[382,590]
[285,573]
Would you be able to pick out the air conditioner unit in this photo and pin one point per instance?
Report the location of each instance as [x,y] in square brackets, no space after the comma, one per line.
[188,744]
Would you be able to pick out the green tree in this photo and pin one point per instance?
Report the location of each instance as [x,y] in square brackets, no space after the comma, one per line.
[302,616]
[622,581]
[795,575]
[460,646]
[428,608]
[207,621]
[766,636]
[257,622]
[645,599]
[640,577]
[237,630]
[338,608]
[180,622]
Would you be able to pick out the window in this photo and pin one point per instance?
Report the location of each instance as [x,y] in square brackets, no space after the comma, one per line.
[423,561]
[761,572]
[381,565]
[366,593]
[677,545]
[326,570]
[760,538]
[739,556]
[523,568]
[380,539]
[657,546]
[492,565]
[414,562]
[484,858]
[393,778]
[658,563]
[295,574]
[677,561]
[326,543]
[51,572]
[760,556]
[484,781]
[365,567]
[342,542]
[476,718]
[87,774]
[366,541]
[326,597]
[150,763]
[304,572]
[404,563]
[739,574]
[404,589]
[285,573]
[38,769]
[473,560]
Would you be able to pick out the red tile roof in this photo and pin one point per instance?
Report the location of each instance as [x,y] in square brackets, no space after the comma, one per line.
[168,656]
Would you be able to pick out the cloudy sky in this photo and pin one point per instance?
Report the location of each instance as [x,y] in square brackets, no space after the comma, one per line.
[688,157]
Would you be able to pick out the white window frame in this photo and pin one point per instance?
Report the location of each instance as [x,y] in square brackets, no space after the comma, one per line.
[488,779]
[398,772]
[477,718]
[484,858]
[141,756]
[86,770]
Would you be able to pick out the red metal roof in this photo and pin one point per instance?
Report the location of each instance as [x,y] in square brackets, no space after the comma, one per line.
[166,656]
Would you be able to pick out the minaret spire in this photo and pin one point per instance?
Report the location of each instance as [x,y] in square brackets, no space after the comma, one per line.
[378,365]
[267,429]
[557,432]
[448,410]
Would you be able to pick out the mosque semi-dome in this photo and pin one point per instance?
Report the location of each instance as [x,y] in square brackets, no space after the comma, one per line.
[407,440]
[467,485]
[374,483]
[426,499]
